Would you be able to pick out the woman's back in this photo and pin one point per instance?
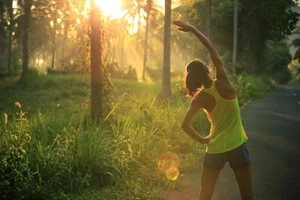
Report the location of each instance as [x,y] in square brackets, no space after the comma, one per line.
[227,131]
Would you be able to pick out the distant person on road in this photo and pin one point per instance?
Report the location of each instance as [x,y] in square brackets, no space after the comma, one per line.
[218,98]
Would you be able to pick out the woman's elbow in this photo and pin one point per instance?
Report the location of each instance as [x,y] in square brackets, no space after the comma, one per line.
[184,126]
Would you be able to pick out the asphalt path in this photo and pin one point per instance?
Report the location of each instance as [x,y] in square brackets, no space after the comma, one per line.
[273,127]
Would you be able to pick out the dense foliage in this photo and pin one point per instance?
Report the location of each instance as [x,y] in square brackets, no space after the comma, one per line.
[258,23]
[58,27]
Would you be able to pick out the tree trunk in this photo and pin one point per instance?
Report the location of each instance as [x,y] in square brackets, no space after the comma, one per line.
[96,64]
[66,22]
[235,33]
[26,24]
[64,39]
[2,32]
[146,43]
[166,82]
[11,27]
[53,45]
[122,49]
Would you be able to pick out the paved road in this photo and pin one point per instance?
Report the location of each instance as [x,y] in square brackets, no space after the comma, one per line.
[273,127]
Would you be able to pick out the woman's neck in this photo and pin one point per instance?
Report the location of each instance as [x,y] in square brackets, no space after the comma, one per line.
[208,83]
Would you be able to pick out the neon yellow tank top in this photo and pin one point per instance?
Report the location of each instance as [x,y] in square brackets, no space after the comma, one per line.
[226,125]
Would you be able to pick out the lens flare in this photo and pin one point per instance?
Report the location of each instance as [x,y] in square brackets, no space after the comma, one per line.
[168,163]
[172,173]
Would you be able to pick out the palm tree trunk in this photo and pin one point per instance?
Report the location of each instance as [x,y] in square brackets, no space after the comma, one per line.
[166,82]
[53,45]
[122,50]
[26,24]
[96,64]
[66,28]
[11,26]
[146,43]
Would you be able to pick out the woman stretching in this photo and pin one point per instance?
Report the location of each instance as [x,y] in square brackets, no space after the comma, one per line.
[226,140]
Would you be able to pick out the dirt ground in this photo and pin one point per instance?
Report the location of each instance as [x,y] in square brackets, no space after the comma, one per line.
[273,127]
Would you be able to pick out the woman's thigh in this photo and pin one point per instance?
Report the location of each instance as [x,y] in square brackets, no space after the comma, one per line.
[208,181]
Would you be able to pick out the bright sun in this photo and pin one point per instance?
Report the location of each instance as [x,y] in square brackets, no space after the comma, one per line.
[111,8]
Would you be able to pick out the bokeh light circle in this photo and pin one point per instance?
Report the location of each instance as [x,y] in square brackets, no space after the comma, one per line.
[168,163]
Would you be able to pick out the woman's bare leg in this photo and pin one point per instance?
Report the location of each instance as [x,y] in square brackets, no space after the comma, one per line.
[244,179]
[208,182]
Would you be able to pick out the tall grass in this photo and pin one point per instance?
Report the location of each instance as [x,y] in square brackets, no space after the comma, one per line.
[54,150]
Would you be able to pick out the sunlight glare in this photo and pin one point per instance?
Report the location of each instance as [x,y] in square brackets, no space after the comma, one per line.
[111,8]
[15,4]
[51,23]
[78,21]
[160,3]
[58,20]
[133,21]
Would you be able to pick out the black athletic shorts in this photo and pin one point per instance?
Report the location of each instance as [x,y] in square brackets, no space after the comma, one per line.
[237,158]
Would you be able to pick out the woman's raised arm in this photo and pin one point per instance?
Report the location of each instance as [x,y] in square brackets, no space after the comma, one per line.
[220,70]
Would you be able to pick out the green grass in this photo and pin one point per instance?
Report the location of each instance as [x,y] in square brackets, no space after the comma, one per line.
[49,148]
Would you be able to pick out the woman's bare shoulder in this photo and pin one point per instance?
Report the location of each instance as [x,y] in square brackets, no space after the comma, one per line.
[204,100]
[225,89]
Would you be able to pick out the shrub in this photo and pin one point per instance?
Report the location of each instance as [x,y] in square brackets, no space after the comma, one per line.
[251,86]
[277,60]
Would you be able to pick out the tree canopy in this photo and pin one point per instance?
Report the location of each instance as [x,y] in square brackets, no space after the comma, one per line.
[58,33]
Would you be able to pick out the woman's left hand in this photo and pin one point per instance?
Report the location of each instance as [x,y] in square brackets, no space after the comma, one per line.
[183,26]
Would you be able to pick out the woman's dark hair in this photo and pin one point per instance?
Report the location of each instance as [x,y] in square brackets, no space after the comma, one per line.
[196,75]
